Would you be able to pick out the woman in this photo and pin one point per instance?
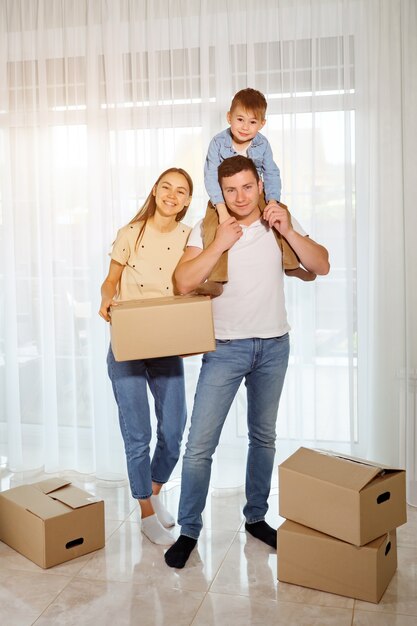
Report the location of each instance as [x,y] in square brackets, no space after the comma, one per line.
[142,265]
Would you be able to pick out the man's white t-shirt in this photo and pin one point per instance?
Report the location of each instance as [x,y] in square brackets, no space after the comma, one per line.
[252,303]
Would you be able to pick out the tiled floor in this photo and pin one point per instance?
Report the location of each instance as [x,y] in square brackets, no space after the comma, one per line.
[231,579]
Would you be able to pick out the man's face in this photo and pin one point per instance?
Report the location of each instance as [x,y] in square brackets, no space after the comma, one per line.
[241,194]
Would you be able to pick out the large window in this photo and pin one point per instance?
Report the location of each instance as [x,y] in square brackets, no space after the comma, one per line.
[84,135]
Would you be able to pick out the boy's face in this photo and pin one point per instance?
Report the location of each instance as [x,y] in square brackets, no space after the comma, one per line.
[244,124]
[241,194]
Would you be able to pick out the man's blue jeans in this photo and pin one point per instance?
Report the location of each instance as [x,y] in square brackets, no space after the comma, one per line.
[262,363]
[165,377]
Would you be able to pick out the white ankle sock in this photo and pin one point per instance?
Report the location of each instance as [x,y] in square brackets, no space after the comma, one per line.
[162,513]
[155,532]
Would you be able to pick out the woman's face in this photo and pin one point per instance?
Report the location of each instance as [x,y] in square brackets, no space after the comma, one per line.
[172,194]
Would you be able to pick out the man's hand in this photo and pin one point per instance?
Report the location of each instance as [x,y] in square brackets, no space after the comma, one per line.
[272,204]
[196,264]
[278,217]
[227,234]
[313,256]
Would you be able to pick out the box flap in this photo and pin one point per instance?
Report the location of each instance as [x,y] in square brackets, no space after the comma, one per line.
[73,497]
[152,302]
[295,528]
[385,468]
[49,498]
[49,485]
[333,468]
[31,499]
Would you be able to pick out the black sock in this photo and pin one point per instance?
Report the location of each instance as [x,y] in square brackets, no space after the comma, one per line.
[177,555]
[263,532]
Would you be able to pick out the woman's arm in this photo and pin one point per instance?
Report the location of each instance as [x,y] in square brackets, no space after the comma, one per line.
[109,288]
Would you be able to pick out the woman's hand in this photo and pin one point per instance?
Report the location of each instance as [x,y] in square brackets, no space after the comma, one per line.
[109,289]
[104,311]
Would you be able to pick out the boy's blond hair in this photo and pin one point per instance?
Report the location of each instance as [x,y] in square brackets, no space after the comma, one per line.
[251,100]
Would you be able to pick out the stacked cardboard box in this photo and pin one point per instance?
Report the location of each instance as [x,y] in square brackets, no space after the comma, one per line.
[341,514]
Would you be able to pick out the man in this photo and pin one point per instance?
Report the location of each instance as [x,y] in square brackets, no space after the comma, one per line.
[252,343]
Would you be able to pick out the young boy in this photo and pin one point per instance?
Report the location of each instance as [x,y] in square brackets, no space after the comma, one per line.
[246,118]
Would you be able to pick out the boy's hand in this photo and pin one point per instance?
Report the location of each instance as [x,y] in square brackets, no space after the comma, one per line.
[227,234]
[278,217]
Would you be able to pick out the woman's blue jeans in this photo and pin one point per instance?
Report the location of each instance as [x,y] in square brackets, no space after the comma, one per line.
[165,377]
[262,363]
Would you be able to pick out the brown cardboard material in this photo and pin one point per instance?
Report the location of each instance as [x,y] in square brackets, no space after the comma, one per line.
[51,522]
[312,559]
[351,499]
[158,327]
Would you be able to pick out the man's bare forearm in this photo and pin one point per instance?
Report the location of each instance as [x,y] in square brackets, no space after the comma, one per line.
[195,267]
[196,264]
[312,255]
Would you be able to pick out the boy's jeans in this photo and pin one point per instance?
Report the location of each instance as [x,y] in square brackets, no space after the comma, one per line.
[165,377]
[263,364]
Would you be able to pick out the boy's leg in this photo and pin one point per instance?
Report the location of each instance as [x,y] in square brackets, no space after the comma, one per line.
[289,258]
[210,224]
[290,261]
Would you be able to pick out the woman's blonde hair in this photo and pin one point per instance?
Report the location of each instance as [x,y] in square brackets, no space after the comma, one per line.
[149,206]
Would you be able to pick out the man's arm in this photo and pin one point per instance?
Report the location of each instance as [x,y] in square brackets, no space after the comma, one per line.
[312,255]
[196,264]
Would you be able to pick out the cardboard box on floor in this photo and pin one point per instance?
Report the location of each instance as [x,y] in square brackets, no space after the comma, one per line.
[312,559]
[158,327]
[51,522]
[351,499]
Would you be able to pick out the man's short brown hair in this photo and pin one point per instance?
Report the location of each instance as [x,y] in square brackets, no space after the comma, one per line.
[234,165]
[251,100]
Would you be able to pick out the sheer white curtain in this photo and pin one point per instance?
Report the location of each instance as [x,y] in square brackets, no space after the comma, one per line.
[96,99]
[387,227]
